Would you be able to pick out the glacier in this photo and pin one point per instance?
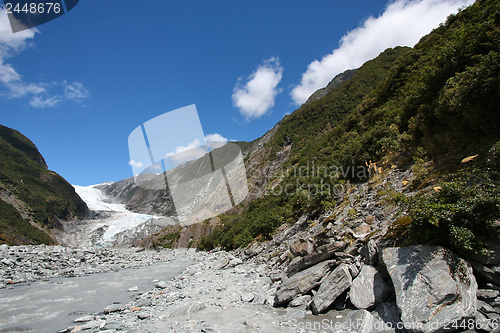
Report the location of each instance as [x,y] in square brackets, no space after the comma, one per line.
[111,224]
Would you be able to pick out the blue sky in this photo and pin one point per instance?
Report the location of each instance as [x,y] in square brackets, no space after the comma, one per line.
[79,85]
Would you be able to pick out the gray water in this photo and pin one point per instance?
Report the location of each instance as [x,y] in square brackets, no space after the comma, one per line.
[50,305]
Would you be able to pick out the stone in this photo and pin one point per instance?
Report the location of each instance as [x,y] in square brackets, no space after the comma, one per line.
[247,297]
[322,253]
[4,247]
[331,286]
[161,285]
[235,262]
[84,319]
[354,270]
[259,299]
[368,288]
[483,323]
[133,289]
[363,230]
[301,248]
[433,286]
[302,282]
[301,300]
[7,262]
[486,308]
[94,324]
[487,294]
[271,297]
[113,308]
[370,252]
[141,302]
[222,263]
[143,316]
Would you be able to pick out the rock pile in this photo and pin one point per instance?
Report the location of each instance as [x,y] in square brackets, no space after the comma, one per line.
[29,263]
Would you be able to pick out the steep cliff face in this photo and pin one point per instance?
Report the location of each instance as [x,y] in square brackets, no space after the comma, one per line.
[33,199]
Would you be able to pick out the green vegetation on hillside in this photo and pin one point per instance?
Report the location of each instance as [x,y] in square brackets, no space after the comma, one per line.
[302,128]
[41,194]
[439,101]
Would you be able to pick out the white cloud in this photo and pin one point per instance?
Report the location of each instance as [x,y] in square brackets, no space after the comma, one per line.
[192,151]
[40,102]
[135,164]
[257,96]
[75,92]
[12,43]
[12,82]
[402,23]
[215,140]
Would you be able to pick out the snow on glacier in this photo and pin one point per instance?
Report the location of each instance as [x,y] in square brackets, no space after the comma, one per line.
[117,220]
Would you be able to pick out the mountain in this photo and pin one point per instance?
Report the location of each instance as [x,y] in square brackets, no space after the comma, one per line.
[33,200]
[421,111]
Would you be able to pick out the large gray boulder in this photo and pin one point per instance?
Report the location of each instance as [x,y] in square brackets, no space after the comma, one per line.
[302,282]
[433,287]
[368,288]
[331,286]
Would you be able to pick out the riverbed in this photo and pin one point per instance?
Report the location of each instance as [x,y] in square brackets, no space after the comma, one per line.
[53,304]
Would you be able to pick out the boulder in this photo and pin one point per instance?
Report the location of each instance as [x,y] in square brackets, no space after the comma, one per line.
[433,286]
[322,253]
[331,286]
[368,288]
[301,283]
[301,248]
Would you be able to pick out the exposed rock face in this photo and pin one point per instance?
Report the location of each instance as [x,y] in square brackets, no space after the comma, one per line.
[302,282]
[330,288]
[433,286]
[368,288]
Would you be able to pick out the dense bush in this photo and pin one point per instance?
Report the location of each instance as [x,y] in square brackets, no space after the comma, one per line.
[458,216]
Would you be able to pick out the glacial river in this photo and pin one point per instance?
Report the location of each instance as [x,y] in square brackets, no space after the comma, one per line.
[51,305]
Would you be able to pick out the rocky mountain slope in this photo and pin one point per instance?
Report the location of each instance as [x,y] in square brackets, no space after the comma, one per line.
[33,200]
